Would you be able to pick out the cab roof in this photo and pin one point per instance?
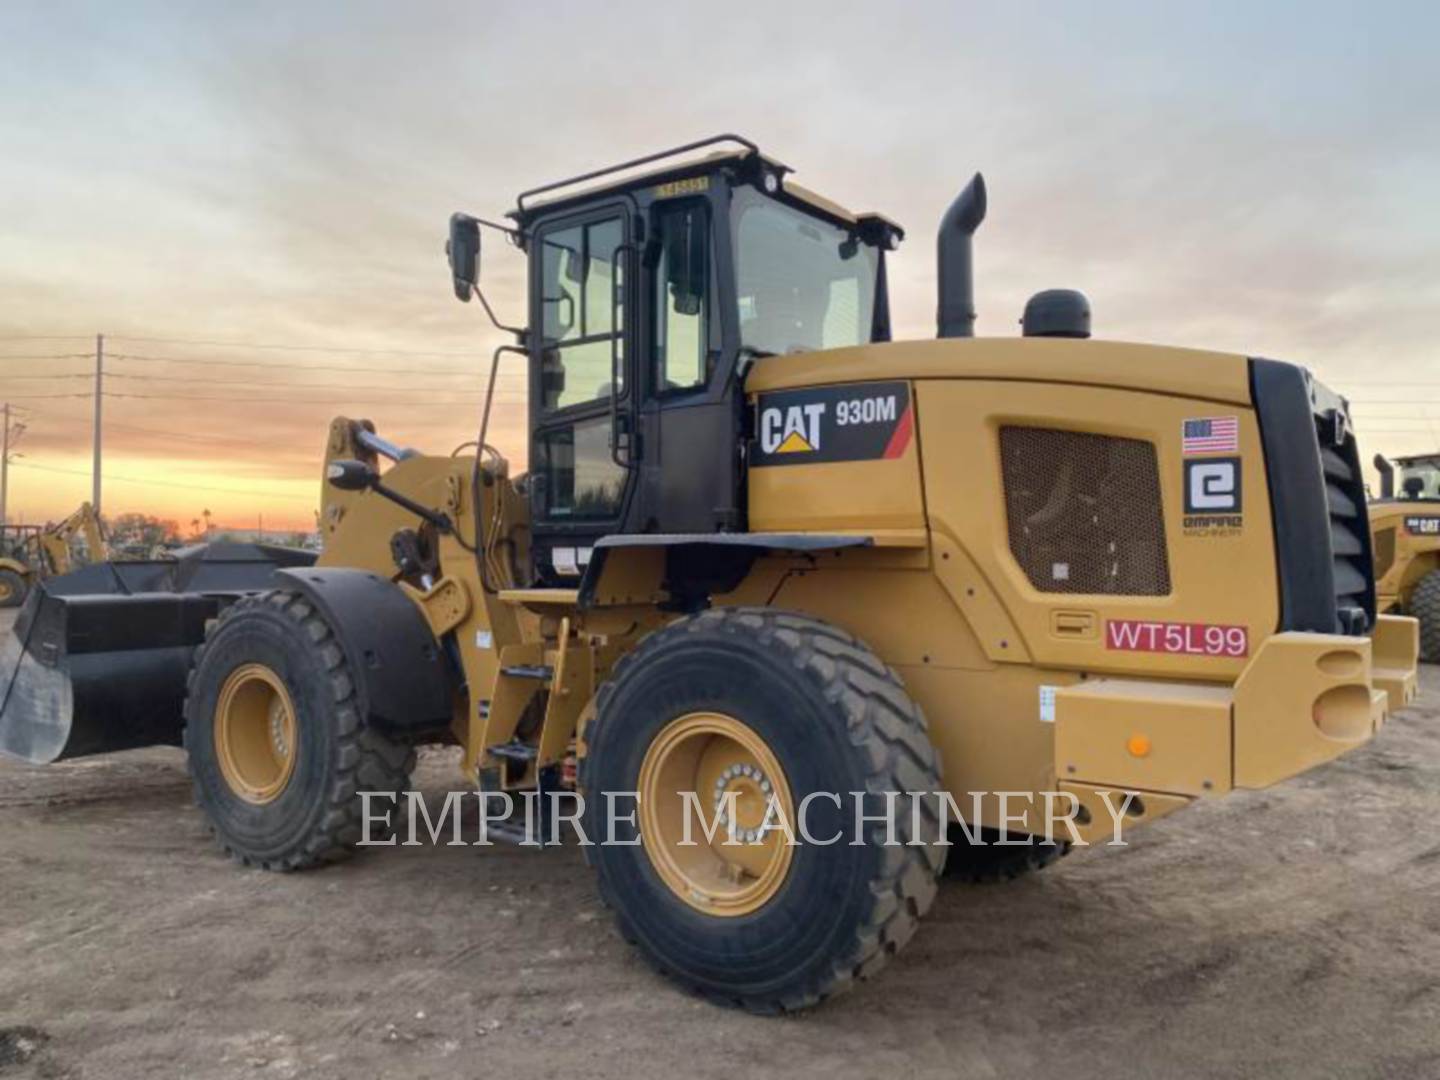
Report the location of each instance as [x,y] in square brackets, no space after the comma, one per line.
[689,161]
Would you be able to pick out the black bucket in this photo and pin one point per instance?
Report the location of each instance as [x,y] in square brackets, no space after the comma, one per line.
[97,659]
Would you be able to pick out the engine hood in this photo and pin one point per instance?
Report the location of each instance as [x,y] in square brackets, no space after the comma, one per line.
[1191,373]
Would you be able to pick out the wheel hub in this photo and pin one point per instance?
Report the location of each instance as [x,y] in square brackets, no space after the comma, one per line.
[255,733]
[714,807]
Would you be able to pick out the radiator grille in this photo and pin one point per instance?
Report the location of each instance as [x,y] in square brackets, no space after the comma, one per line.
[1349,531]
[1084,512]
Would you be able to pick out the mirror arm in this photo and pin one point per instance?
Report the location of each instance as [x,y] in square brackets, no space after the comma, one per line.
[519,331]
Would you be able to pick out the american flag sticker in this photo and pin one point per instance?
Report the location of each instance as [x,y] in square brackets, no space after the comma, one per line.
[1211,435]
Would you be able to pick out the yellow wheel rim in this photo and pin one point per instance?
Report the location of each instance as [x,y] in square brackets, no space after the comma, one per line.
[255,733]
[714,756]
[5,590]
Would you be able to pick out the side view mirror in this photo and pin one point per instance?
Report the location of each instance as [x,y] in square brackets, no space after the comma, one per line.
[351,475]
[463,251]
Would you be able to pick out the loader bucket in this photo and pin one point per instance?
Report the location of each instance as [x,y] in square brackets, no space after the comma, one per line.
[97,659]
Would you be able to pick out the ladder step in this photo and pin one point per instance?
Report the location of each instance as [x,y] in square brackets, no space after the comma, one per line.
[529,671]
[515,751]
[514,832]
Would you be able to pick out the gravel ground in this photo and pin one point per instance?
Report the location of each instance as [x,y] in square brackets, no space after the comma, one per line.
[1291,932]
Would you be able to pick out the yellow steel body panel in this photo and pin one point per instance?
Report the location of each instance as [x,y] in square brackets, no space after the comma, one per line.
[1401,557]
[1172,737]
[839,495]
[1303,700]
[958,424]
[1189,373]
[1098,826]
[1395,654]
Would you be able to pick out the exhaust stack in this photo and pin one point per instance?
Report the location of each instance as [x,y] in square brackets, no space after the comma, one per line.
[1387,476]
[956,314]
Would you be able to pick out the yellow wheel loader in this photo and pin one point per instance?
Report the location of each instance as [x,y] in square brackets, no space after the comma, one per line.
[30,552]
[1405,536]
[791,606]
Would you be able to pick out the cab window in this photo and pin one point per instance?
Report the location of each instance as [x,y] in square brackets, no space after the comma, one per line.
[682,297]
[579,291]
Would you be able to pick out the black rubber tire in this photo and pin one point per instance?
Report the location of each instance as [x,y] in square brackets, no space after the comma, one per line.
[14,596]
[1425,606]
[317,817]
[837,719]
[988,863]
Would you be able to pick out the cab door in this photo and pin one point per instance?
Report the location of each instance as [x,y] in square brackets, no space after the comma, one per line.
[690,418]
[581,386]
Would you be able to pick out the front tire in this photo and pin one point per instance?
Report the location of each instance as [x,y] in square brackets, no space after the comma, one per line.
[278,750]
[13,588]
[772,704]
[1425,606]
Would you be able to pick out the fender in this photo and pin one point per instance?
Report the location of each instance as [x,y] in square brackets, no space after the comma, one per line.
[405,684]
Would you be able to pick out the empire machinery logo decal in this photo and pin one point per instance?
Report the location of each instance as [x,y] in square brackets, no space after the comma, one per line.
[1212,484]
[862,422]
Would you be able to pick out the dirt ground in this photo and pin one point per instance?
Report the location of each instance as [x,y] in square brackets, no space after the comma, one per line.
[1293,932]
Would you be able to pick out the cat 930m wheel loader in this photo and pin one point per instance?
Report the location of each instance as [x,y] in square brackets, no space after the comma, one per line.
[769,566]
[1405,536]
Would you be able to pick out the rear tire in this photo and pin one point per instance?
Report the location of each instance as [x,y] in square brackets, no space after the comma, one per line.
[308,811]
[13,588]
[988,863]
[832,717]
[1425,606]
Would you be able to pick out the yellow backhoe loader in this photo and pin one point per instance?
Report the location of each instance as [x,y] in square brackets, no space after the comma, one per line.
[1405,532]
[30,552]
[773,589]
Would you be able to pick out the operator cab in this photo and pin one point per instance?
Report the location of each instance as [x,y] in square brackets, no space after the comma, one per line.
[650,295]
[1420,477]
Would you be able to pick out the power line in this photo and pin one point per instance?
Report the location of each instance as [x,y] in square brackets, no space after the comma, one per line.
[44,337]
[367,403]
[294,348]
[54,375]
[164,483]
[38,397]
[50,356]
[272,384]
[348,369]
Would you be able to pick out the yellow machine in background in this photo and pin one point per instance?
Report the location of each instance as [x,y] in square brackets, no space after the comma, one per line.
[768,562]
[1405,527]
[36,551]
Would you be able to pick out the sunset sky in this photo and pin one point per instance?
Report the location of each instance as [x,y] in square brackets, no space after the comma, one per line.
[249,200]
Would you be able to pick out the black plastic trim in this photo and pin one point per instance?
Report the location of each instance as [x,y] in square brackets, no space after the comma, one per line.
[1298,502]
[701,564]
[405,685]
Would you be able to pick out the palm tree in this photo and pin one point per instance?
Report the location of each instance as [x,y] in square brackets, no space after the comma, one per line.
[194,528]
[206,515]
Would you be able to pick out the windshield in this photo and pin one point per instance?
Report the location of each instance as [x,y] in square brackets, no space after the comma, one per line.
[801,282]
[1420,479]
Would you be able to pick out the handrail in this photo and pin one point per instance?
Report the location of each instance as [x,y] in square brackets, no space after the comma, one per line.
[616,341]
[646,160]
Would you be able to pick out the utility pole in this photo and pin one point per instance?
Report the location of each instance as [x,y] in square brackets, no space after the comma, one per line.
[10,432]
[5,463]
[99,397]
